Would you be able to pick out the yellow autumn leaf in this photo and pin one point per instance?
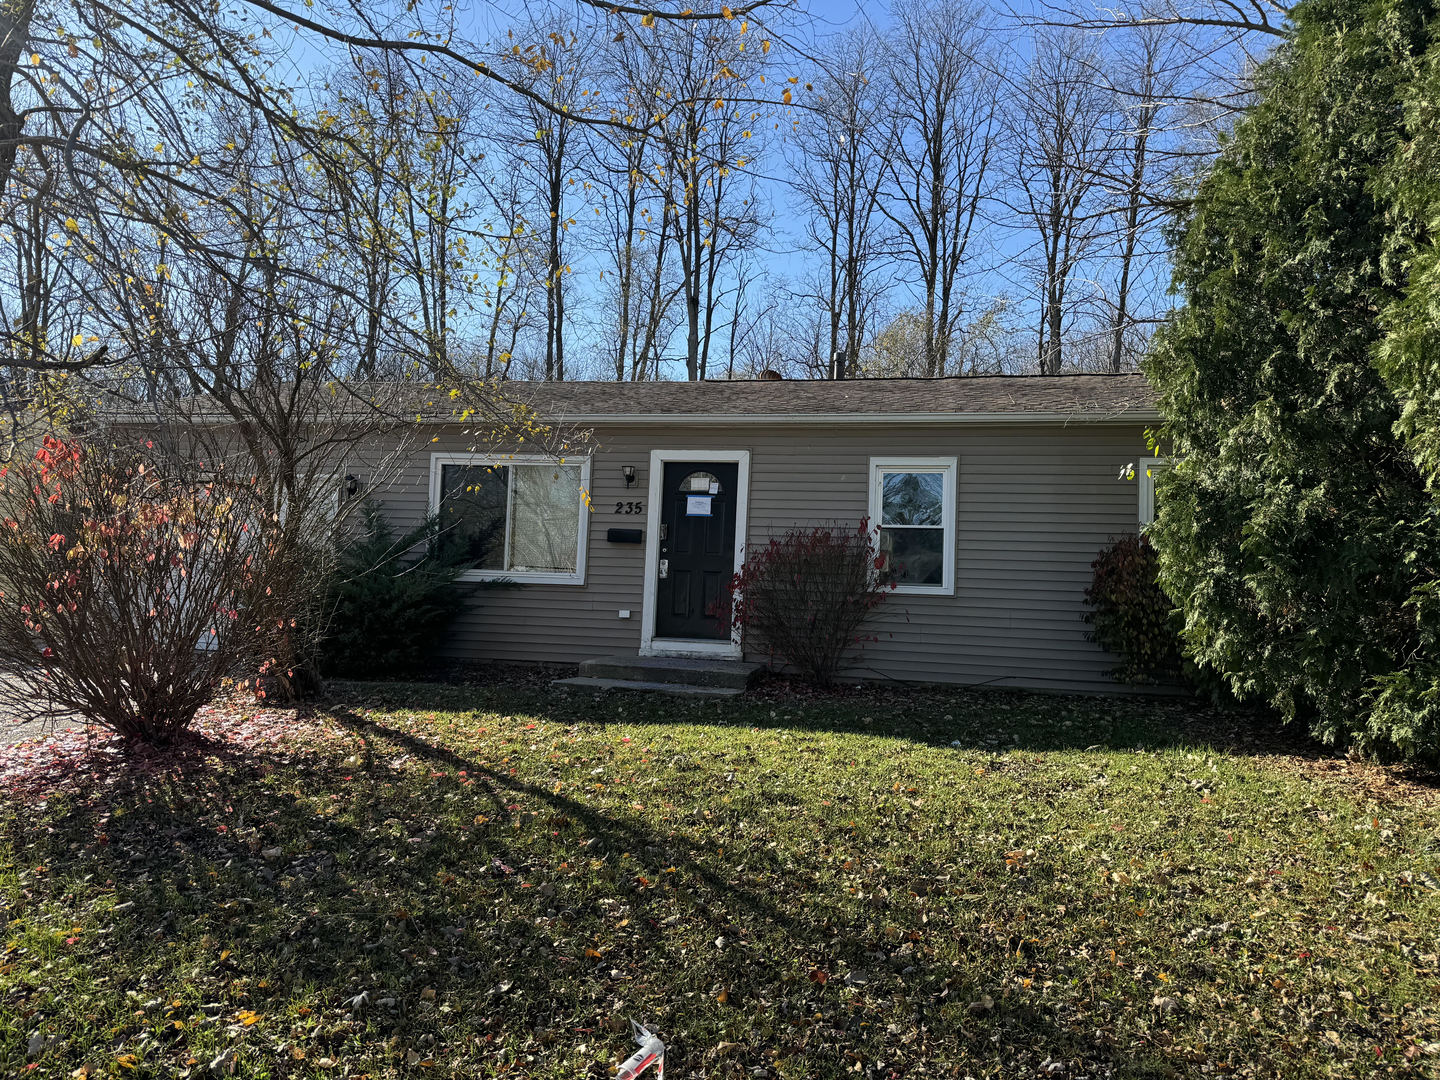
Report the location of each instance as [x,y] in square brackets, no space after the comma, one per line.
[246,1017]
[78,340]
[72,224]
[727,13]
[648,19]
[786,97]
[765,46]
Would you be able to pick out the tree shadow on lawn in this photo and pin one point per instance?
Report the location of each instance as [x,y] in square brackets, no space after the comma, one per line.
[975,718]
[286,885]
[753,965]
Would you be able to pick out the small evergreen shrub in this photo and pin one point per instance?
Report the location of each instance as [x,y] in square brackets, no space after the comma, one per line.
[388,607]
[807,596]
[1131,616]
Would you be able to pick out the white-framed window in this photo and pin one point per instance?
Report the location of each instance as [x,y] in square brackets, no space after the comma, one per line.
[1146,472]
[912,510]
[518,517]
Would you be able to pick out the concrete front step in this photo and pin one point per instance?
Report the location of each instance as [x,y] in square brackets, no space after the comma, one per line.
[682,689]
[684,671]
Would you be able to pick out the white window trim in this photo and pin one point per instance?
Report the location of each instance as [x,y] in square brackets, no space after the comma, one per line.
[1146,469]
[949,466]
[530,577]
[650,645]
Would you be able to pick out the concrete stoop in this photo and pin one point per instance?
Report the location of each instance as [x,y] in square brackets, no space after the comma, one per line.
[686,676]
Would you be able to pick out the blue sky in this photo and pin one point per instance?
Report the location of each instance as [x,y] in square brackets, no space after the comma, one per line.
[782,259]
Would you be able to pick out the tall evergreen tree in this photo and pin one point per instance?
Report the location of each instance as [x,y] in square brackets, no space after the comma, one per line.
[1409,361]
[1298,536]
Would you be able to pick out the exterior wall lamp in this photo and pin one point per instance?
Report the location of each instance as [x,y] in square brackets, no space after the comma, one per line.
[628,472]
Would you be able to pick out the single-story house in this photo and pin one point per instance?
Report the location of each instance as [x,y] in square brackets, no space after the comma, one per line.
[994,493]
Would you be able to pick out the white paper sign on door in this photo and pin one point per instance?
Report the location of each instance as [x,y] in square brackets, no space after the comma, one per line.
[697,506]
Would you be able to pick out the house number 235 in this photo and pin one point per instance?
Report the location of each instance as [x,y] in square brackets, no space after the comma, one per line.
[629,508]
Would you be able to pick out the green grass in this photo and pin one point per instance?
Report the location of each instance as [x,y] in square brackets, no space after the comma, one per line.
[436,881]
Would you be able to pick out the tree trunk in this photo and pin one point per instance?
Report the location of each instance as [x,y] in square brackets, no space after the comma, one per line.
[1132,223]
[15,17]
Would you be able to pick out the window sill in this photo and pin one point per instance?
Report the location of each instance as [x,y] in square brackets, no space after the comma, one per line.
[530,577]
[923,590]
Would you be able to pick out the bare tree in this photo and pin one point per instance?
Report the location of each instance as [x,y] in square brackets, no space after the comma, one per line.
[1211,49]
[440,232]
[121,98]
[1234,17]
[511,274]
[558,69]
[639,277]
[945,95]
[368,99]
[841,150]
[750,332]
[703,143]
[1142,70]
[41,307]
[1059,149]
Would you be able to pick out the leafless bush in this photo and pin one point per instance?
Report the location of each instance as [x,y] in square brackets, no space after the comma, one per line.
[129,592]
[807,595]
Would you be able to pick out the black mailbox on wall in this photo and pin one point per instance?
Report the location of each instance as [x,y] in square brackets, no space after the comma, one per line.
[625,536]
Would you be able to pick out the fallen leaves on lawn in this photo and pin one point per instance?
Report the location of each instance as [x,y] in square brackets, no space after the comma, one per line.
[492,882]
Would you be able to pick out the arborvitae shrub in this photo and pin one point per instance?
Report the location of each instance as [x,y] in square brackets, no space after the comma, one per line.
[1301,533]
[391,600]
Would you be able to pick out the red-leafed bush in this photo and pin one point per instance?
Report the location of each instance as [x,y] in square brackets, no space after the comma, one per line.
[1131,615]
[806,597]
[129,592]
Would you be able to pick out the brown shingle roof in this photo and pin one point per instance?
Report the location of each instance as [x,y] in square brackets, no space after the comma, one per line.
[1077,397]
[1050,398]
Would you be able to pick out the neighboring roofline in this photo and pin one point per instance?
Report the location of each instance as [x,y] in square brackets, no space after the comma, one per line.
[1084,416]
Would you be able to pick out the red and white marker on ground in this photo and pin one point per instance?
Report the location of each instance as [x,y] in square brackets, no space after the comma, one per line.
[651,1052]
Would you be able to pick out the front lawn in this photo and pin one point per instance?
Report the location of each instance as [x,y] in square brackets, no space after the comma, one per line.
[449,881]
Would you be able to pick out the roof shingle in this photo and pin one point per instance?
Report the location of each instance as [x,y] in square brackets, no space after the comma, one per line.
[1078,397]
[1050,398]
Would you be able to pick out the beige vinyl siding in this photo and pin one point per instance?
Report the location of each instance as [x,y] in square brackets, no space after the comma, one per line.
[1035,503]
